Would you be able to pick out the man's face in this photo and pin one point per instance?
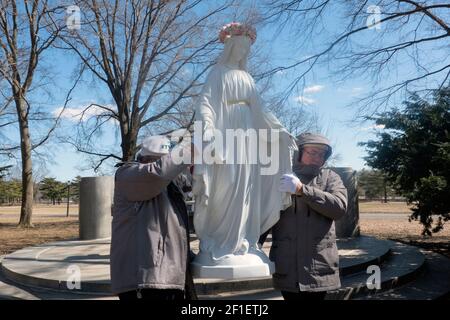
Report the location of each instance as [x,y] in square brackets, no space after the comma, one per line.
[313,156]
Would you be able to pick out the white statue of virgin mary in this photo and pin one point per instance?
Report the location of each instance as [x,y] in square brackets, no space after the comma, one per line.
[234,201]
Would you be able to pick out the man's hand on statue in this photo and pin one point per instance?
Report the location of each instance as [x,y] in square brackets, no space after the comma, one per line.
[290,183]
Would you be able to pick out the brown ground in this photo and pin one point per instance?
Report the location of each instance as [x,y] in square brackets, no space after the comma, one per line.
[51,224]
[399,228]
[381,207]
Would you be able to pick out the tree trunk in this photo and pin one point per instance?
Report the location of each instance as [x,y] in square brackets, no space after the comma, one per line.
[129,141]
[26,209]
[126,150]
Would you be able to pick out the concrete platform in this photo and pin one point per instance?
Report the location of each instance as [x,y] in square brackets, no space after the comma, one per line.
[10,290]
[404,264]
[432,284]
[52,266]
[408,273]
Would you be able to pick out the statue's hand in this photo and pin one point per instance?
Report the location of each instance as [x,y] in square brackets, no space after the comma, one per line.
[208,134]
[198,186]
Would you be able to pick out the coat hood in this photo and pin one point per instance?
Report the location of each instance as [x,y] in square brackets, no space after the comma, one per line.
[314,138]
[309,138]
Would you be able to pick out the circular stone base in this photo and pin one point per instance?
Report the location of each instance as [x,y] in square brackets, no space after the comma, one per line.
[52,266]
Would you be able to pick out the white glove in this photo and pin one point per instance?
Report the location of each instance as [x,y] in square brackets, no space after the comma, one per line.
[289,183]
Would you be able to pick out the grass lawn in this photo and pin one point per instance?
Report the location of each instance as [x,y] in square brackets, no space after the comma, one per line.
[50,224]
[397,227]
[381,207]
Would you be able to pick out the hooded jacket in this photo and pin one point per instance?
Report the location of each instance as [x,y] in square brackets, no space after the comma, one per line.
[304,239]
[150,240]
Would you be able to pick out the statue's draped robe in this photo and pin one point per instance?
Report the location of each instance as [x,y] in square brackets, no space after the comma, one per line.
[234,203]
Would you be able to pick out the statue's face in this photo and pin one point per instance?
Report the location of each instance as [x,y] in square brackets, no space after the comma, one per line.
[241,48]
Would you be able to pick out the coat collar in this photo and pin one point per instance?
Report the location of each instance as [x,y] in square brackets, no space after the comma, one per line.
[308,171]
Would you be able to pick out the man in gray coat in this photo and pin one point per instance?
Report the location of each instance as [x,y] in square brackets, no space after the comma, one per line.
[150,238]
[304,239]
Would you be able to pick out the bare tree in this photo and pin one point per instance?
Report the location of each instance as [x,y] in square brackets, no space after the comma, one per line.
[24,39]
[152,56]
[381,41]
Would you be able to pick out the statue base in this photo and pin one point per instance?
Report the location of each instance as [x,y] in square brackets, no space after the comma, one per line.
[254,264]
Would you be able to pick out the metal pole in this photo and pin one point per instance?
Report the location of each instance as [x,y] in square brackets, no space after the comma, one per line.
[68,197]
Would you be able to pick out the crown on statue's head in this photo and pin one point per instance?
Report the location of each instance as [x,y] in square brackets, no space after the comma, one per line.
[237,29]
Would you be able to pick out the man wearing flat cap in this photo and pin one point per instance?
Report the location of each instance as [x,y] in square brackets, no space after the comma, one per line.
[304,239]
[150,234]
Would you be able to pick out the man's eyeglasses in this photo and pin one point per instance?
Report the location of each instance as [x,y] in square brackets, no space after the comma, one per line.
[315,154]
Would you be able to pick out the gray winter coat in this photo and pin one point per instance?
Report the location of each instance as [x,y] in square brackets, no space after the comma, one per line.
[304,239]
[149,244]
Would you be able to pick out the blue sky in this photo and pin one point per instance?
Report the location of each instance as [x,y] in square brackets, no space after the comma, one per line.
[322,94]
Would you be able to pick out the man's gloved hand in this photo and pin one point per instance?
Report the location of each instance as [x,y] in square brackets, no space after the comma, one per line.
[290,183]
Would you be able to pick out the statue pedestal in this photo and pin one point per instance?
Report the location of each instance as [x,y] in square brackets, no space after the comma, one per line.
[254,264]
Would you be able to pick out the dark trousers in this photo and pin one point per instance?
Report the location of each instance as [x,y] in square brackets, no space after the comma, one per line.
[153,294]
[263,237]
[304,295]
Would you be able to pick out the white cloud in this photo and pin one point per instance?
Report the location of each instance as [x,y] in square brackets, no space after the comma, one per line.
[352,92]
[305,100]
[76,114]
[314,89]
[375,126]
[356,91]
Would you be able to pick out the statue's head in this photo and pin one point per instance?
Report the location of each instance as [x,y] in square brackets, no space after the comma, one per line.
[240,47]
[237,39]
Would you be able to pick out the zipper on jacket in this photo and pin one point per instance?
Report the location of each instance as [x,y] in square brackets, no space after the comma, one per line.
[295,205]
